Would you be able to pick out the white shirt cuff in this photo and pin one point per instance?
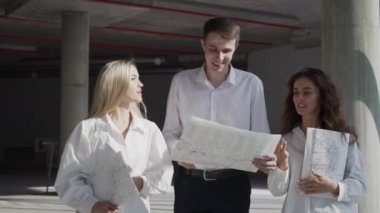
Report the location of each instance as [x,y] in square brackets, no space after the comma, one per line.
[342,191]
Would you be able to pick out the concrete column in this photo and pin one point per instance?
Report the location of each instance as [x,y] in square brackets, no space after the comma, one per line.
[74,71]
[350,54]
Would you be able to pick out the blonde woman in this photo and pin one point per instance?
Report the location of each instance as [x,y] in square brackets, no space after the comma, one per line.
[116,127]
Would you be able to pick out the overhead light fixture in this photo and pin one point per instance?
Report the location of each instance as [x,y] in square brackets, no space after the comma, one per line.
[18,47]
[157,61]
[154,60]
[301,33]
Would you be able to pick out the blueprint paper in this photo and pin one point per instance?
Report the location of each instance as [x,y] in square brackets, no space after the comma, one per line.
[326,154]
[122,187]
[207,142]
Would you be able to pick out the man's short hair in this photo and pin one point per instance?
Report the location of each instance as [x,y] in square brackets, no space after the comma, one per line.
[226,27]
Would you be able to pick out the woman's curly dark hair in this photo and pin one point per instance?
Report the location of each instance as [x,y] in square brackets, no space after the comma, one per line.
[331,115]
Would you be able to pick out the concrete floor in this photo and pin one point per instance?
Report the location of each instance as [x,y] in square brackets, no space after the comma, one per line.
[24,191]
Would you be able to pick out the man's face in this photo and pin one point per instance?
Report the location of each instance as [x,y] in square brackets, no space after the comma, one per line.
[218,52]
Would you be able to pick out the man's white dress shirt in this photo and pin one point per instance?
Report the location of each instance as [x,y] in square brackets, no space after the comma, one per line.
[238,102]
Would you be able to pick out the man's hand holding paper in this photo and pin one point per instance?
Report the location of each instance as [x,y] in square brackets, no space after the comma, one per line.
[206,142]
[266,163]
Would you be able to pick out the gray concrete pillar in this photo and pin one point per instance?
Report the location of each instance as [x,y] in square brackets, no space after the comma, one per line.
[350,54]
[74,71]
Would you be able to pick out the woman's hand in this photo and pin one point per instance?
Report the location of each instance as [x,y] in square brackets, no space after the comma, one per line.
[317,183]
[282,155]
[104,207]
[139,182]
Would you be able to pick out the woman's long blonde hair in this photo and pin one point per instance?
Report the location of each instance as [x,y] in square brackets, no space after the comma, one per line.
[111,87]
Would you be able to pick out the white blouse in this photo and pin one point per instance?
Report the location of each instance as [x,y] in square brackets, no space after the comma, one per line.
[82,178]
[351,188]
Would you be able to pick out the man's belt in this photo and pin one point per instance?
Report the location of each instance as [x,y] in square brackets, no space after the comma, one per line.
[210,175]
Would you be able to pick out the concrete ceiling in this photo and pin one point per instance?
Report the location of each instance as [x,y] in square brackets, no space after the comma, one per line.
[30,35]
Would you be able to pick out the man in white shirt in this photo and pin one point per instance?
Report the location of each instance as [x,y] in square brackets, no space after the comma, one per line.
[223,94]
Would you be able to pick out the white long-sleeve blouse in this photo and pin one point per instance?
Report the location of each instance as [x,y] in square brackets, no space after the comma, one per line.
[83,177]
[351,188]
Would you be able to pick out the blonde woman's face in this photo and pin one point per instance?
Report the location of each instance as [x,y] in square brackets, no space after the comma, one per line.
[134,93]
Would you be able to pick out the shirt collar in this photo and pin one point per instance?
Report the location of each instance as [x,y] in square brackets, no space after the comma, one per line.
[202,77]
[137,123]
[299,133]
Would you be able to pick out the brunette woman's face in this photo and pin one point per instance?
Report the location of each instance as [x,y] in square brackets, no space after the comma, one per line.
[306,97]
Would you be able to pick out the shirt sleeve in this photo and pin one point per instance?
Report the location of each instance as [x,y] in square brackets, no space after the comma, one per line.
[172,127]
[159,171]
[278,181]
[353,186]
[75,171]
[259,120]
